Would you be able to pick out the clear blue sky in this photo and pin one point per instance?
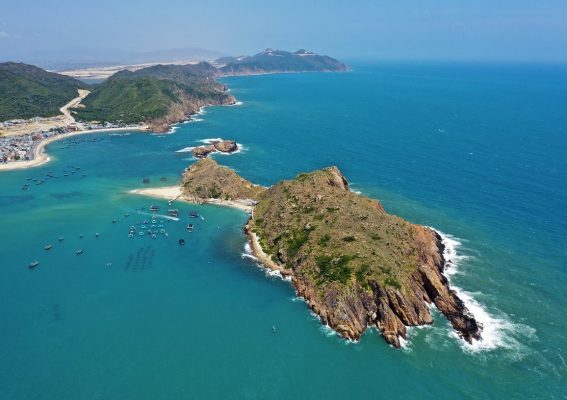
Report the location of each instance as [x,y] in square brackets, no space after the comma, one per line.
[516,30]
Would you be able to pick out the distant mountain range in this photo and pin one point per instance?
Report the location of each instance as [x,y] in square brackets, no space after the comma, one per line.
[273,61]
[159,95]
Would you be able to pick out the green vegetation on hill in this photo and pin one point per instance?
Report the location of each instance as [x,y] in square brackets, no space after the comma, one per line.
[165,93]
[206,179]
[316,226]
[273,60]
[129,100]
[355,265]
[27,91]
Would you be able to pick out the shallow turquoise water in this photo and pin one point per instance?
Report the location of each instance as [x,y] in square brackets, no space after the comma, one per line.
[475,151]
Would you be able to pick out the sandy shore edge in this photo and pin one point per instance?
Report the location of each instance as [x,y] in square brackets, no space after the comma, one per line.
[171,193]
[40,157]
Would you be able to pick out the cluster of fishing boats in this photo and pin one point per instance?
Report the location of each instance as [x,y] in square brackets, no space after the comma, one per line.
[49,246]
[68,171]
[150,228]
[153,228]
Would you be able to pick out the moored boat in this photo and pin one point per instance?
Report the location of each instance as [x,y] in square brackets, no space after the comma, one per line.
[33,264]
[47,247]
[80,251]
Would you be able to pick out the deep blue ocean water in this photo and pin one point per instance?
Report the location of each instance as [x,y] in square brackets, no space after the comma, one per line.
[478,152]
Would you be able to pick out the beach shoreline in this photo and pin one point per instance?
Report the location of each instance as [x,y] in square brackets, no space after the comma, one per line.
[173,193]
[40,157]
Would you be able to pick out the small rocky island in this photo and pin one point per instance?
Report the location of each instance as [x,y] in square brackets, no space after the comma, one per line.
[223,146]
[355,265]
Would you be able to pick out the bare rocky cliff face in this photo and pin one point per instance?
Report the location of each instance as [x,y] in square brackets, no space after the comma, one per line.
[354,264]
[187,106]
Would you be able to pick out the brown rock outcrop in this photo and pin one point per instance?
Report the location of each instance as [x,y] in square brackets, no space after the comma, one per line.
[226,146]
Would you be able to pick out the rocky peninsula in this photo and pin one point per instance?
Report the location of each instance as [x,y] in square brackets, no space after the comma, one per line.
[355,265]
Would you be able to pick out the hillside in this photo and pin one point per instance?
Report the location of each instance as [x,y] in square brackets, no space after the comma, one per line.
[159,95]
[28,91]
[356,265]
[273,61]
[207,179]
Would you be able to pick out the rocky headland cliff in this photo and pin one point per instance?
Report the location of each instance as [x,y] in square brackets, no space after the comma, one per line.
[355,265]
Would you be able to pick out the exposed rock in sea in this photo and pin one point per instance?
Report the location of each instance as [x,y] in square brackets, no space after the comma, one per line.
[224,146]
[355,265]
[203,151]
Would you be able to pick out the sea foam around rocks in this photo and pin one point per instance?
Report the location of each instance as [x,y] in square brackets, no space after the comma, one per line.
[497,331]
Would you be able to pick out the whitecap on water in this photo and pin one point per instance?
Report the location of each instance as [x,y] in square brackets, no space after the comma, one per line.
[498,331]
[186,150]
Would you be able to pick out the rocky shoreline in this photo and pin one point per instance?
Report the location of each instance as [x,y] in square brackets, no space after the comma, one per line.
[222,146]
[377,297]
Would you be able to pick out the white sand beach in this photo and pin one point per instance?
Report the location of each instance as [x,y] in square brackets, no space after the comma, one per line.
[174,193]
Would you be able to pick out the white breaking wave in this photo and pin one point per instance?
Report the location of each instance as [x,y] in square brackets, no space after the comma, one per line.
[186,150]
[241,147]
[497,332]
[269,272]
[119,134]
[210,140]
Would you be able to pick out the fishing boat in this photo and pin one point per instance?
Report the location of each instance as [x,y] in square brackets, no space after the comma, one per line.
[60,239]
[193,214]
[154,208]
[80,251]
[173,213]
[97,234]
[182,242]
[114,221]
[141,234]
[33,264]
[47,247]
[130,235]
[190,227]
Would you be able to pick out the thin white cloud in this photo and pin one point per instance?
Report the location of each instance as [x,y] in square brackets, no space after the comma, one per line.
[3,35]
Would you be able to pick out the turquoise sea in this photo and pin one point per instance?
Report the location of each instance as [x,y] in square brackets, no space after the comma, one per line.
[478,152]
